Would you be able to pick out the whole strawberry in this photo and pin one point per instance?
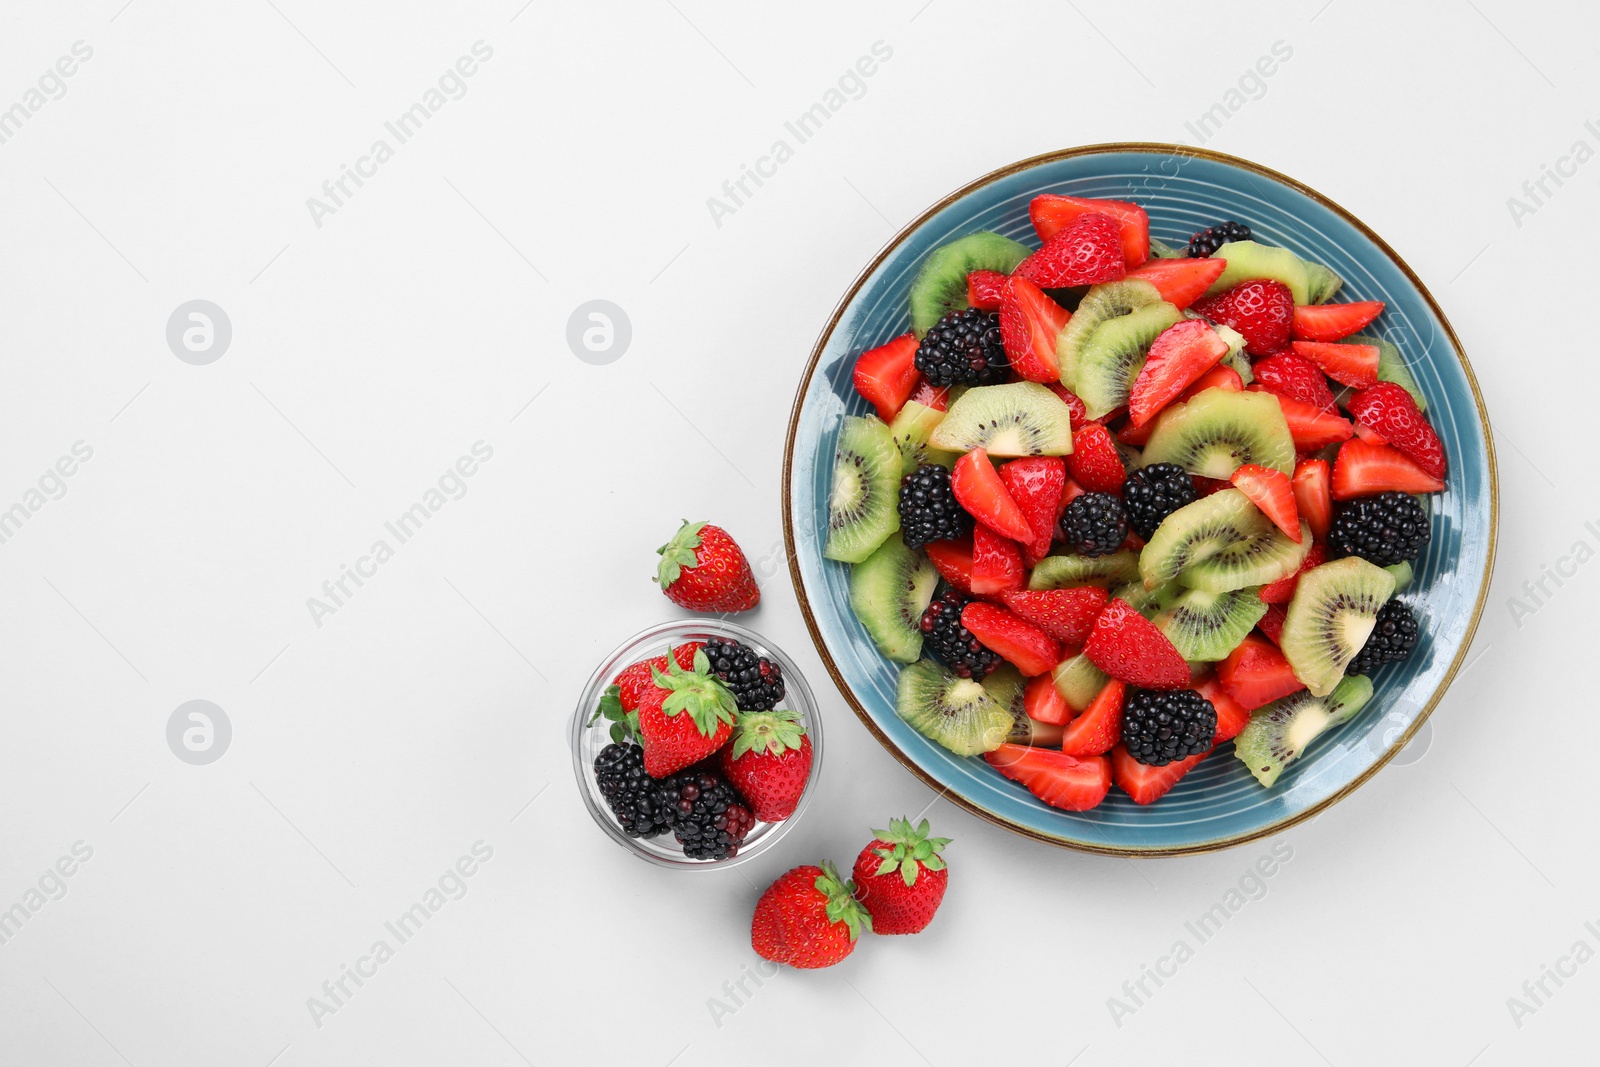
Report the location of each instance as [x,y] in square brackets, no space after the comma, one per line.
[684,718]
[900,878]
[808,919]
[702,569]
[620,702]
[1388,409]
[769,762]
[1262,311]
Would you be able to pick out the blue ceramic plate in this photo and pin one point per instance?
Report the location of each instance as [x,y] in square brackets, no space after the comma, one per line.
[1184,189]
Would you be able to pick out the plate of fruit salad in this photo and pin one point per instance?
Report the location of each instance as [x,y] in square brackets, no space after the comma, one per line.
[1140,499]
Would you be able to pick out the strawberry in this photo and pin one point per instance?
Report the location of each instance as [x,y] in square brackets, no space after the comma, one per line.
[1231,715]
[1126,645]
[900,877]
[1260,310]
[703,569]
[1100,726]
[1094,462]
[996,563]
[978,489]
[1390,410]
[1312,495]
[769,762]
[621,699]
[1087,251]
[1070,783]
[1221,377]
[1363,469]
[1036,484]
[1138,436]
[808,918]
[886,375]
[1051,214]
[953,561]
[1311,427]
[1347,364]
[984,289]
[1204,486]
[1023,644]
[686,717]
[1270,491]
[930,396]
[1066,614]
[1333,322]
[1043,702]
[1177,358]
[1256,673]
[1079,413]
[1296,377]
[1272,622]
[1180,281]
[1282,590]
[1029,323]
[1146,784]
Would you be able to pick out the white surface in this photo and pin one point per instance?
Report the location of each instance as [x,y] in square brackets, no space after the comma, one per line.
[372,752]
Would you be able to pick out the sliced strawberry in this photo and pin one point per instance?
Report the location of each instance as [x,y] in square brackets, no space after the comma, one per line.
[1060,780]
[1261,310]
[953,561]
[1072,492]
[1028,648]
[1363,469]
[1126,645]
[1333,322]
[1282,590]
[1029,323]
[1204,486]
[1369,435]
[978,489]
[1146,784]
[1313,497]
[1390,410]
[1094,462]
[1100,726]
[996,563]
[1180,281]
[1256,673]
[1177,357]
[1221,377]
[1066,614]
[1270,491]
[1080,414]
[1043,702]
[1051,214]
[1310,426]
[1231,715]
[1137,436]
[1272,622]
[1036,484]
[984,288]
[1087,252]
[1296,377]
[886,375]
[930,396]
[1352,365]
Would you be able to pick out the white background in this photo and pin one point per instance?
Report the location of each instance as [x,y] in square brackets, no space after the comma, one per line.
[423,716]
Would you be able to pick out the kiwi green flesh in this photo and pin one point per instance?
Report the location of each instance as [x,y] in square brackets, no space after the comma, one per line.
[1062,572]
[1114,354]
[1402,575]
[1265,558]
[1392,366]
[957,713]
[1148,602]
[941,284]
[1204,627]
[1078,681]
[1019,419]
[889,591]
[1247,260]
[1322,284]
[1102,303]
[1217,431]
[1159,249]
[863,503]
[1007,687]
[1334,609]
[1278,733]
[1197,531]
[911,430]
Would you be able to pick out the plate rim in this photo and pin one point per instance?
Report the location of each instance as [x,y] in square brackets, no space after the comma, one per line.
[845,690]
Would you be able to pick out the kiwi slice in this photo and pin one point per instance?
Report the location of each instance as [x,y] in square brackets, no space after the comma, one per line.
[1217,431]
[1402,576]
[889,591]
[1114,354]
[863,505]
[1204,627]
[1078,681]
[911,430]
[1334,609]
[1247,260]
[1278,733]
[1007,686]
[1159,249]
[1219,543]
[1101,304]
[1148,602]
[1020,419]
[941,285]
[1063,572]
[958,713]
[1392,366]
[1322,284]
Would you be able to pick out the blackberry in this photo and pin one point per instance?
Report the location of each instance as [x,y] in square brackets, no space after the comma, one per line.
[964,347]
[1159,727]
[928,508]
[952,643]
[1208,240]
[1384,529]
[1152,493]
[633,796]
[1094,524]
[757,683]
[1392,640]
[709,819]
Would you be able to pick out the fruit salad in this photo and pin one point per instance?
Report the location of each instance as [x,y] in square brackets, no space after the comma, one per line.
[1123,506]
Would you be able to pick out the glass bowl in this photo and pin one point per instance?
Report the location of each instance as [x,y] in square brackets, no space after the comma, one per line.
[587,741]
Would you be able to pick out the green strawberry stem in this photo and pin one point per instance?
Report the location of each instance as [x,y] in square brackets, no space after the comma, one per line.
[907,847]
[624,724]
[843,907]
[701,694]
[768,733]
[678,554]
